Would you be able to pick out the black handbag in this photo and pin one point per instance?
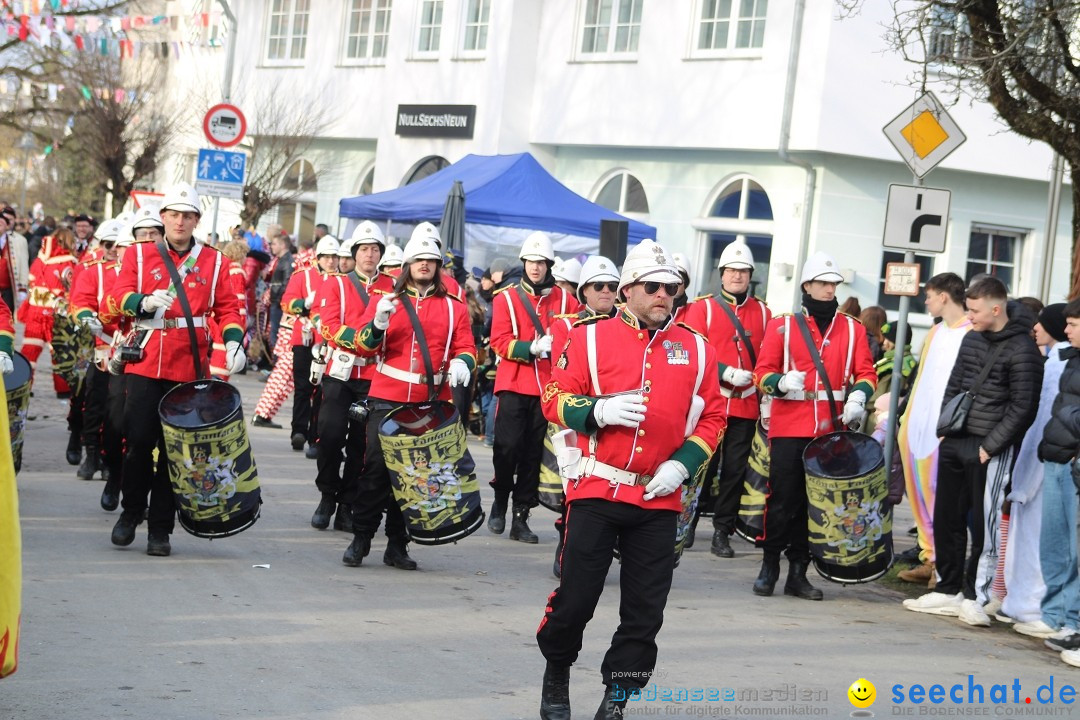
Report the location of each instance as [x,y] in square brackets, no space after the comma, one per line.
[953,419]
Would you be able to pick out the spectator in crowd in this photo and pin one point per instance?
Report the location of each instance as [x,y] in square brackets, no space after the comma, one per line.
[851,307]
[873,319]
[255,240]
[321,231]
[278,274]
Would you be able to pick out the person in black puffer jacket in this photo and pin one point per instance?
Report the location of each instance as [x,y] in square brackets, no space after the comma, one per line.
[1057,537]
[1003,409]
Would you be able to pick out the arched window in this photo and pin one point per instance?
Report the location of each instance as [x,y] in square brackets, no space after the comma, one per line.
[741,211]
[427,166]
[297,215]
[622,192]
[366,184]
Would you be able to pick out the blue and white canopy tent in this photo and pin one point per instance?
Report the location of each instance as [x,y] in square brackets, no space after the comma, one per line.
[507,197]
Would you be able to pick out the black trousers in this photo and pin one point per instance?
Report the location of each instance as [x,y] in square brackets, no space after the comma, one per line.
[373,495]
[786,514]
[95,394]
[142,433]
[519,447]
[113,435]
[961,481]
[75,418]
[303,393]
[731,459]
[593,526]
[338,433]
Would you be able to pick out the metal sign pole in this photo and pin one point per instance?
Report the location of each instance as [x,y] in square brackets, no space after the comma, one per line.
[226,94]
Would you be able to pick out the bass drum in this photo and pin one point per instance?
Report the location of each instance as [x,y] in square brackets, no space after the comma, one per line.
[72,350]
[431,472]
[214,479]
[691,497]
[850,523]
[550,489]
[750,523]
[17,389]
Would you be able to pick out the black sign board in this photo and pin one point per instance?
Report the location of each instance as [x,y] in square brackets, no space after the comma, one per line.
[450,121]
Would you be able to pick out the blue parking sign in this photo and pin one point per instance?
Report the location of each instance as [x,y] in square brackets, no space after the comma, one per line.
[221,173]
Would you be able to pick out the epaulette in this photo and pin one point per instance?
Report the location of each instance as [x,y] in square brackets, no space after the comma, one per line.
[377,291]
[838,312]
[590,320]
[503,289]
[452,296]
[92,263]
[702,297]
[567,316]
[687,327]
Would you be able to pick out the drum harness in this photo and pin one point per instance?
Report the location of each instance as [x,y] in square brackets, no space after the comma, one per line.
[345,361]
[181,295]
[537,325]
[742,336]
[823,376]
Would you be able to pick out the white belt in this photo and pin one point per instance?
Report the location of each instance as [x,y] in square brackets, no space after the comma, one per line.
[837,395]
[409,377]
[732,392]
[170,323]
[591,466]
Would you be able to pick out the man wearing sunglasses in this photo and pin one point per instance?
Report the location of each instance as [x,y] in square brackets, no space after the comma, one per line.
[735,329]
[642,395]
[802,409]
[521,319]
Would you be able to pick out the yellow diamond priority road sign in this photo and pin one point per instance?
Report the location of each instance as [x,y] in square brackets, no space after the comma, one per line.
[924,134]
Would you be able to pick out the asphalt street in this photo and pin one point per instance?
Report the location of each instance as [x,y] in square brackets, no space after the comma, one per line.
[109,632]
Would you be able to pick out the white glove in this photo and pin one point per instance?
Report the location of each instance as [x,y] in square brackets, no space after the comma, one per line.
[854,408]
[6,366]
[626,410]
[309,301]
[793,381]
[386,307]
[91,322]
[541,345]
[21,298]
[735,376]
[459,373]
[235,358]
[667,479]
[157,300]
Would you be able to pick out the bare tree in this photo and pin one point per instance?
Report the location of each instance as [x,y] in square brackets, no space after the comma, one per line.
[1020,56]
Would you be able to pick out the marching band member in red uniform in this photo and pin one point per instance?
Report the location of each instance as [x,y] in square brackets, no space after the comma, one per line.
[734,323]
[144,292]
[235,252]
[344,302]
[48,274]
[803,410]
[7,339]
[647,417]
[391,262]
[386,331]
[521,319]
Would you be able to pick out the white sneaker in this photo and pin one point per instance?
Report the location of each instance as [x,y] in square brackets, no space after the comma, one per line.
[973,614]
[1037,629]
[993,607]
[936,603]
[1071,657]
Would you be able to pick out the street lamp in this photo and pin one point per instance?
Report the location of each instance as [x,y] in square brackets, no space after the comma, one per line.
[27,145]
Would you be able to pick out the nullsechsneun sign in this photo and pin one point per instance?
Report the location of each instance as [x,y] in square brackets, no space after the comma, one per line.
[449,121]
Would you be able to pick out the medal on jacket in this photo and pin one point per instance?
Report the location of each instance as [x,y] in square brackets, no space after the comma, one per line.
[675,353]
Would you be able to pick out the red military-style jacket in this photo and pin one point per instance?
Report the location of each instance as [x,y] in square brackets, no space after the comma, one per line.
[513,331]
[47,286]
[342,315]
[399,371]
[665,366]
[302,284]
[7,330]
[844,353]
[167,349]
[88,292]
[707,317]
[238,280]
[561,326]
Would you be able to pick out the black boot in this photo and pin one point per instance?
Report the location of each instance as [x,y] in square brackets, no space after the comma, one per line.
[797,584]
[497,517]
[157,544]
[689,543]
[105,474]
[89,465]
[555,693]
[343,518]
[397,554]
[613,704]
[721,545]
[556,569]
[123,533]
[770,573]
[298,440]
[356,552]
[321,519]
[74,449]
[519,528]
[110,496]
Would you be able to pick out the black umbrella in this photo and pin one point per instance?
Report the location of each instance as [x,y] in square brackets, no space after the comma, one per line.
[452,227]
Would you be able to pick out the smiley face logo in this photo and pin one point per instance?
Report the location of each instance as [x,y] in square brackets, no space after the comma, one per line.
[862,693]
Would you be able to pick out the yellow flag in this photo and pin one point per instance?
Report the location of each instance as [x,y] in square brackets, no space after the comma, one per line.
[10,552]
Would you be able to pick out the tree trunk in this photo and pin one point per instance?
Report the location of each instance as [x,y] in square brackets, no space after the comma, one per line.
[1074,286]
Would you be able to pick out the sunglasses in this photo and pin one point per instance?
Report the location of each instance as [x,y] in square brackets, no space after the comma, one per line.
[599,286]
[108,244]
[651,288]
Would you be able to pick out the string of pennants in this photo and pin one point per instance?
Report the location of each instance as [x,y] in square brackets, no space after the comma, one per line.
[53,90]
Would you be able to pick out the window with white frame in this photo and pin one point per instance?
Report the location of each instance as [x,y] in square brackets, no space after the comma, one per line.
[727,25]
[431,13]
[476,26]
[611,27]
[623,193]
[287,32]
[994,251]
[367,29]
